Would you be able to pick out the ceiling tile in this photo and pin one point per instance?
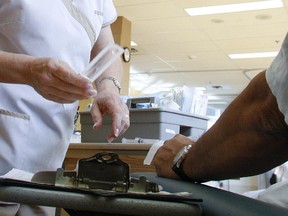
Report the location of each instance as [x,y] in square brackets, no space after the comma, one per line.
[176,49]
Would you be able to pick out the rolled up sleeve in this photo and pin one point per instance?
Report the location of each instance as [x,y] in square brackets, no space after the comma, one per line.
[277,78]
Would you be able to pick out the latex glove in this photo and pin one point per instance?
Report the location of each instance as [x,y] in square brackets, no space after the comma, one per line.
[56,81]
[108,102]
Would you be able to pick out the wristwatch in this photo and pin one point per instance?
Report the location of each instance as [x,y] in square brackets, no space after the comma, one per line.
[178,160]
[115,81]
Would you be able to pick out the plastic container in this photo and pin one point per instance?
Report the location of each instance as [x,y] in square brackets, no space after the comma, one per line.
[153,123]
[102,61]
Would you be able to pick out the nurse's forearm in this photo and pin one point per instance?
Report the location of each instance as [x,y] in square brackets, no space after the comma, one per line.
[250,137]
[116,70]
[13,67]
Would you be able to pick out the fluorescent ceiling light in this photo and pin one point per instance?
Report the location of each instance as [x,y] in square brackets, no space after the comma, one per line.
[253,55]
[230,8]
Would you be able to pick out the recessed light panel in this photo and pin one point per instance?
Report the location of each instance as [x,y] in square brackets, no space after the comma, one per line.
[231,8]
[253,55]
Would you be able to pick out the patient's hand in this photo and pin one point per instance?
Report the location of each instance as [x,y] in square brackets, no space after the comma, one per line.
[163,159]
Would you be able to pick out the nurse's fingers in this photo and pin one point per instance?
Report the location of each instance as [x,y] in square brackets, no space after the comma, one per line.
[59,96]
[56,81]
[108,102]
[64,72]
[120,122]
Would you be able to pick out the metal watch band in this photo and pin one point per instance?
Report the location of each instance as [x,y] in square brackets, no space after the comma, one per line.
[115,81]
[178,168]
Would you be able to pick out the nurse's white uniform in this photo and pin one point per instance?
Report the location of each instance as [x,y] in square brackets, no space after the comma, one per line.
[35,132]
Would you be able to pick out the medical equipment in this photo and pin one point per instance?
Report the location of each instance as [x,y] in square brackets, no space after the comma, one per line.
[102,61]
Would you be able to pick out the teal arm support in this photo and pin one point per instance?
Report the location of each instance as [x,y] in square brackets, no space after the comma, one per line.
[217,202]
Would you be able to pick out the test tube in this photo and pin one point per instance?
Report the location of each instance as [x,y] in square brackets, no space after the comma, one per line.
[102,61]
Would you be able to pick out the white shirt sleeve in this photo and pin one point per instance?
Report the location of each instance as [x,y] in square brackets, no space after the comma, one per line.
[110,14]
[277,77]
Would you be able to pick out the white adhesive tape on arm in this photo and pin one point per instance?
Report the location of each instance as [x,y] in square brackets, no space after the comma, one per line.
[152,152]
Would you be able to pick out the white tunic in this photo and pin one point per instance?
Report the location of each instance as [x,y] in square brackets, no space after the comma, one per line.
[35,132]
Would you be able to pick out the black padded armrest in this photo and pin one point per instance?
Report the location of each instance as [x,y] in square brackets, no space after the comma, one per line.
[218,202]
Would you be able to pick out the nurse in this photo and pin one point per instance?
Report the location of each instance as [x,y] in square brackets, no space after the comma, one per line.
[44,45]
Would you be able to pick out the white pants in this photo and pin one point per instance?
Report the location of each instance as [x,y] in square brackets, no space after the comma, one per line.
[25,210]
[275,194]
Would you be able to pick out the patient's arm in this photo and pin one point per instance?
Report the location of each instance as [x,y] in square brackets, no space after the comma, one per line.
[250,137]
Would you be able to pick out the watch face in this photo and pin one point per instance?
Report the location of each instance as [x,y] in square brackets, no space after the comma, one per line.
[178,156]
[126,54]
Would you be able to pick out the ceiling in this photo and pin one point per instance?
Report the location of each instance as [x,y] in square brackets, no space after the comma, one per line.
[174,49]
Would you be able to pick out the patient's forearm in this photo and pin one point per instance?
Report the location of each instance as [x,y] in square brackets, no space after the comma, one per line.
[250,137]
